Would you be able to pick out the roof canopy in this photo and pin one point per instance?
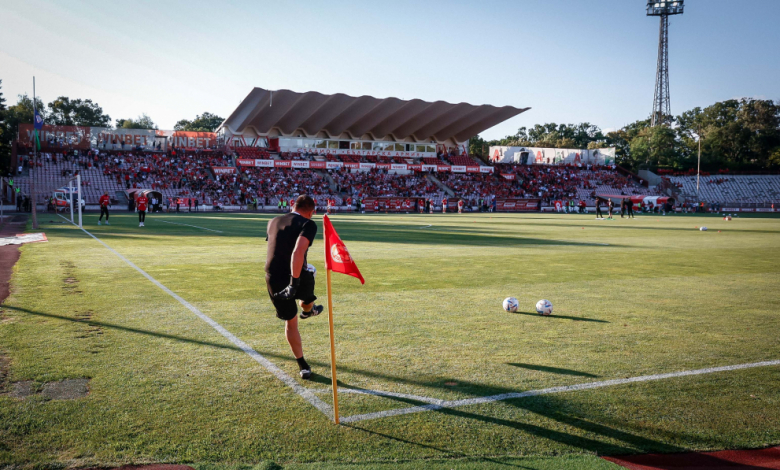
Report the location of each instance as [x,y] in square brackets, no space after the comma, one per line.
[312,114]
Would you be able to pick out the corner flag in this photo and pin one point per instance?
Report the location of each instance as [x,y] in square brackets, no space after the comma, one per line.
[337,259]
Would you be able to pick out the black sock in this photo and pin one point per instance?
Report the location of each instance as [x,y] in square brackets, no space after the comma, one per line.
[303,364]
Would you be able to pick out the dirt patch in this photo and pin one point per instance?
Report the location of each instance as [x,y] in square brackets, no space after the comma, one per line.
[22,389]
[68,389]
[9,254]
[154,466]
[4,364]
[70,281]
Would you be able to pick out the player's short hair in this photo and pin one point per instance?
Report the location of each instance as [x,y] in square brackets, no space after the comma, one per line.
[304,203]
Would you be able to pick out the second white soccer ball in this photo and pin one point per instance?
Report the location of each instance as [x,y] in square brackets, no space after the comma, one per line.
[511,305]
[544,307]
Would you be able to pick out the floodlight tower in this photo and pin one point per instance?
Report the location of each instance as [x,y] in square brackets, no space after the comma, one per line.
[661,106]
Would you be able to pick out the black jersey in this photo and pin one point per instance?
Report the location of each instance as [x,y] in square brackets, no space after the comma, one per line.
[283,233]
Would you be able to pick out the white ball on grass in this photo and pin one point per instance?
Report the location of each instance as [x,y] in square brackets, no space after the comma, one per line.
[511,304]
[544,307]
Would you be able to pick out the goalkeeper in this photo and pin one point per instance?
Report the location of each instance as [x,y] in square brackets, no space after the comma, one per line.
[287,274]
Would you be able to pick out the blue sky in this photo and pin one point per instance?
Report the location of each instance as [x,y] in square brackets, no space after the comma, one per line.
[570,60]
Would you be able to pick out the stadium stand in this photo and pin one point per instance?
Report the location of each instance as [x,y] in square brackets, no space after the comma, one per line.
[726,189]
[188,173]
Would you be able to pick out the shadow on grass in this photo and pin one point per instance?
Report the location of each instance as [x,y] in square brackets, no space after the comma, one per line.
[353,232]
[615,441]
[563,317]
[553,370]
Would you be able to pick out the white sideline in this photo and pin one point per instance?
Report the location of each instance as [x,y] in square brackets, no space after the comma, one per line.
[188,225]
[546,391]
[270,366]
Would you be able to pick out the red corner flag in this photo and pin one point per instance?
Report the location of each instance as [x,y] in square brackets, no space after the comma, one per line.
[337,257]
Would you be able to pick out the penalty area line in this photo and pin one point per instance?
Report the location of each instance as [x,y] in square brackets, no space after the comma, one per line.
[259,358]
[188,225]
[546,391]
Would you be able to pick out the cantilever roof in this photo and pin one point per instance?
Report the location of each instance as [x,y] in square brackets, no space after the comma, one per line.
[288,113]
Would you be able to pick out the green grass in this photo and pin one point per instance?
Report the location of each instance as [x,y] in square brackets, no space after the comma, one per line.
[631,297]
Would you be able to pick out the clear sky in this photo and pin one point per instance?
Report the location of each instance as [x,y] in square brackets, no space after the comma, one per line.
[570,60]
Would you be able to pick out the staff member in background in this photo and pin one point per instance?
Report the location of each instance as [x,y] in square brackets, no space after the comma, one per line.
[104,203]
[611,207]
[141,202]
[287,273]
[599,215]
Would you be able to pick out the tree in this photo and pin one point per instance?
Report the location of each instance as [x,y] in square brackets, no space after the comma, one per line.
[66,112]
[205,122]
[142,122]
[5,138]
[655,146]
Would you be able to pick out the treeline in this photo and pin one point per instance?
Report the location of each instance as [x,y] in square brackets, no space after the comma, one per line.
[742,135]
[64,111]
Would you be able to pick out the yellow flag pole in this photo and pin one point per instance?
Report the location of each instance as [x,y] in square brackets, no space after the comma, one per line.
[332,354]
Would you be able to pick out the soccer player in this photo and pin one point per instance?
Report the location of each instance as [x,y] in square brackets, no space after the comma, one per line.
[611,207]
[430,205]
[287,275]
[599,215]
[421,205]
[460,206]
[140,203]
[330,204]
[376,205]
[104,203]
[623,207]
[444,206]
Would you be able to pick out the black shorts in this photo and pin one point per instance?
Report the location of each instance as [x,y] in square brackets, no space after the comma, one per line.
[287,309]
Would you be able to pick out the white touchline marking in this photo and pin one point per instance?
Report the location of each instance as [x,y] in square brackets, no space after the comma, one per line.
[426,226]
[365,391]
[270,366]
[188,225]
[546,391]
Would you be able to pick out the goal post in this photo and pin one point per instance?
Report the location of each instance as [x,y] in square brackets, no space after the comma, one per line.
[72,199]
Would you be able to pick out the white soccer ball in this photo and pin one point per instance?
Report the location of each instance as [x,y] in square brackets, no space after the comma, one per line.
[511,305]
[703,229]
[544,307]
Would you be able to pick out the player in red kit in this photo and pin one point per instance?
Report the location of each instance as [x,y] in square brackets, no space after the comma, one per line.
[330,204]
[444,206]
[104,203]
[460,206]
[140,203]
[376,205]
[421,206]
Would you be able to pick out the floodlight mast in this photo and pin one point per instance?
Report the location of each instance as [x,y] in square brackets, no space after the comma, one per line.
[661,103]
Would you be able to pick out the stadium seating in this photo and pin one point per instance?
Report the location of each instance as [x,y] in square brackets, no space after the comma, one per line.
[740,189]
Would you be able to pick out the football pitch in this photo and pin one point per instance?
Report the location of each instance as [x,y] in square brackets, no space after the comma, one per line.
[186,362]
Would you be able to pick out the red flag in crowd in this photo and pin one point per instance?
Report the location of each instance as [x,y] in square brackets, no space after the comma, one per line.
[337,257]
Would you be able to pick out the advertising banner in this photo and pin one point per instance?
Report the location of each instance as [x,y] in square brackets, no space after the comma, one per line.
[245,162]
[224,170]
[333,165]
[551,156]
[299,164]
[73,137]
[282,163]
[317,165]
[518,205]
[124,139]
[359,153]
[458,169]
[429,167]
[508,176]
[187,139]
[486,169]
[472,169]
